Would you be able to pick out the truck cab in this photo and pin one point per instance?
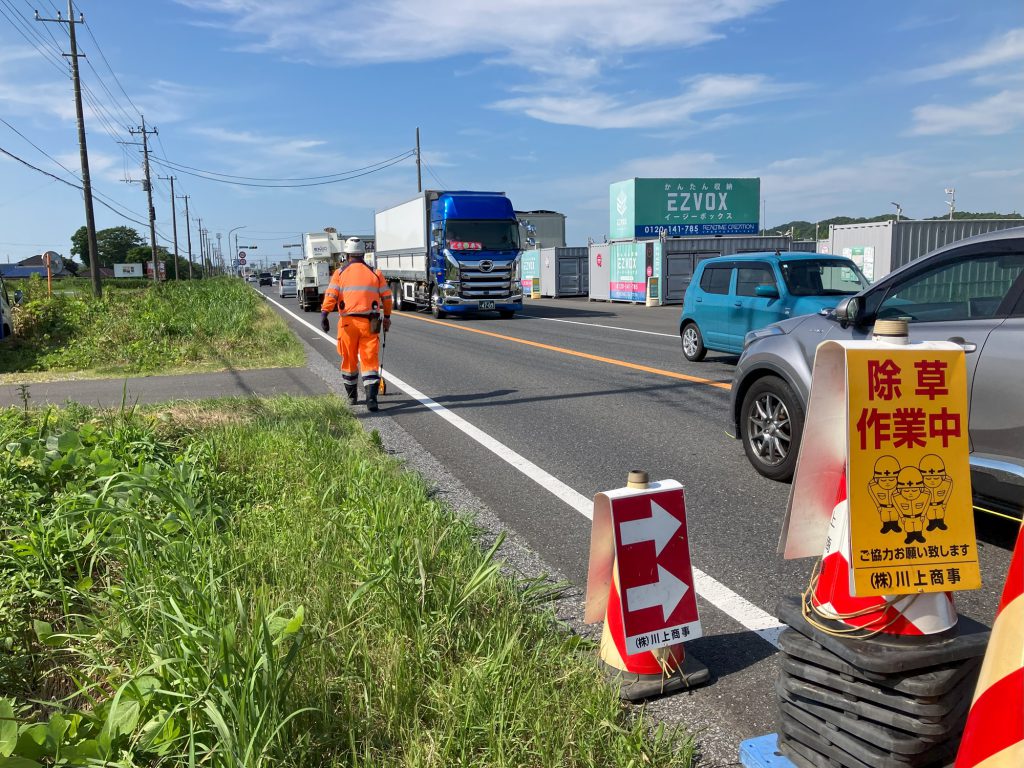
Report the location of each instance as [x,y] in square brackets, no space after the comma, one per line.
[475,253]
[454,252]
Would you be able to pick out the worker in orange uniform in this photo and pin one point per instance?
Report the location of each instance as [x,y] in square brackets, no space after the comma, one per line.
[361,295]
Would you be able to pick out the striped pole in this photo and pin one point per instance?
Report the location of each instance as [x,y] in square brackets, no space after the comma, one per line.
[994,735]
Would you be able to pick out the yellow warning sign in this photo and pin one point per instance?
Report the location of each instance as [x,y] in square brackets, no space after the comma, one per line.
[911,516]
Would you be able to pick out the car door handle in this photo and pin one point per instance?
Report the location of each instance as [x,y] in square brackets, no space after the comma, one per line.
[967,346]
[699,300]
[737,303]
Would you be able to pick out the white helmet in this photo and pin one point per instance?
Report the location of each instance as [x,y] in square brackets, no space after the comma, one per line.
[354,245]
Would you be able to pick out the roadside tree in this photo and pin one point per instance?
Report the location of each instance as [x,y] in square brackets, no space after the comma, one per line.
[113,244]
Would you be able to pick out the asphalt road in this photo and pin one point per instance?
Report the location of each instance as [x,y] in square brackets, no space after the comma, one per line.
[588,391]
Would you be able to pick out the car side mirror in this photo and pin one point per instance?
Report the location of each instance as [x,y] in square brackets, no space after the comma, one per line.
[19,297]
[847,310]
[767,291]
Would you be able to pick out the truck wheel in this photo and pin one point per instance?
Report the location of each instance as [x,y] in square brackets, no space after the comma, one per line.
[435,304]
[397,297]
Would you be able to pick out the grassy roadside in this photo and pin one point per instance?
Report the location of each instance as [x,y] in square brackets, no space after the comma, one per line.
[140,329]
[243,583]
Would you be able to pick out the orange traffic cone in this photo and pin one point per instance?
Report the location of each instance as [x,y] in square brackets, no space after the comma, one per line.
[994,734]
[831,598]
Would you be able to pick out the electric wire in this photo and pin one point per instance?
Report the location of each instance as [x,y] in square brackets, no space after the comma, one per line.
[434,175]
[111,69]
[40,47]
[98,196]
[399,157]
[286,186]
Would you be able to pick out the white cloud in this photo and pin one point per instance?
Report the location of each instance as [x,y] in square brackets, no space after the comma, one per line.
[1000,113]
[410,30]
[1007,48]
[567,46]
[1004,173]
[704,93]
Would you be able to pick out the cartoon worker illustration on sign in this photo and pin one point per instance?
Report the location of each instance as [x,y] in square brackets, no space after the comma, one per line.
[881,488]
[939,485]
[911,501]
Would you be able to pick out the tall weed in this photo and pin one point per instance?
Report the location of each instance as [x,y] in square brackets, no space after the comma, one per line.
[252,583]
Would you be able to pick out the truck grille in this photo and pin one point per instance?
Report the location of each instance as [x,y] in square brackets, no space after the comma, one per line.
[478,284]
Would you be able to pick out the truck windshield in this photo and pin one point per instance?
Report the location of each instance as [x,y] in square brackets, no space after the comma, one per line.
[465,235]
[823,277]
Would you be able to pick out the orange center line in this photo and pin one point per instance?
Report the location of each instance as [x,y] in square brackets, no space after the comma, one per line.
[574,353]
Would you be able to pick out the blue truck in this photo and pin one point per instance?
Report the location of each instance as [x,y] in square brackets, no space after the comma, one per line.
[453,252]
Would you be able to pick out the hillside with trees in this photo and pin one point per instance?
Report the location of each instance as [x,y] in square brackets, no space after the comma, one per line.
[805,230]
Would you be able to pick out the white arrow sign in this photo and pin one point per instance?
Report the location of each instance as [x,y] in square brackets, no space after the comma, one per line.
[667,591]
[660,527]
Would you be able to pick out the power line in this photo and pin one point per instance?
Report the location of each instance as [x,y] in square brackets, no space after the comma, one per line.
[431,172]
[379,167]
[111,69]
[74,186]
[401,156]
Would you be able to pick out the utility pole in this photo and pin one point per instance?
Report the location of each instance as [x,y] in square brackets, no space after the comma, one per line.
[419,175]
[202,247]
[188,231]
[951,191]
[174,224]
[83,151]
[220,253]
[148,185]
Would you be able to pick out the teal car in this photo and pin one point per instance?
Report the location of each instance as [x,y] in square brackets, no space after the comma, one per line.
[730,296]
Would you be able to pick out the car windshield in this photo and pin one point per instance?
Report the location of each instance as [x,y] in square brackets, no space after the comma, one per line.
[287,274]
[264,274]
[822,277]
[465,235]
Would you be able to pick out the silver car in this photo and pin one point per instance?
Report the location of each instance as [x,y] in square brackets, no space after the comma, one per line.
[971,293]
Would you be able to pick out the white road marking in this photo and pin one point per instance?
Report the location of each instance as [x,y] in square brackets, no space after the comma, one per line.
[596,325]
[762,623]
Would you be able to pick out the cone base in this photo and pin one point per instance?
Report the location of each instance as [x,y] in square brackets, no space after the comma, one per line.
[891,653]
[634,687]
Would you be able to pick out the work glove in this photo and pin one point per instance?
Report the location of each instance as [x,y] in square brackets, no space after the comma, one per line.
[325,321]
[387,324]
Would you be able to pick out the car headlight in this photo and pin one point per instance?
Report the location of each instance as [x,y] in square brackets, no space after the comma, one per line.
[762,333]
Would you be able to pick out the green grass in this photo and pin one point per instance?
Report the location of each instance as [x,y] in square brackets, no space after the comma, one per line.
[252,582]
[138,329]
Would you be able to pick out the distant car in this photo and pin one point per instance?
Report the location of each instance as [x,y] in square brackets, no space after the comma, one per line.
[286,286]
[730,296]
[266,279]
[970,292]
[251,278]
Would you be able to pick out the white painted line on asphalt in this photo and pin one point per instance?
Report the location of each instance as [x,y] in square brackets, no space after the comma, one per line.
[762,623]
[596,325]
[549,482]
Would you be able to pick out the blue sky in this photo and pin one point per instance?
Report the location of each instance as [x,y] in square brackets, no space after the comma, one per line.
[839,107]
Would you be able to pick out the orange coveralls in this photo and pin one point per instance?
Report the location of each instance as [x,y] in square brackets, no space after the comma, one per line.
[358,292]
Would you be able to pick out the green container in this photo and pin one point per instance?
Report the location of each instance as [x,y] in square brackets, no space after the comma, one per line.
[646,208]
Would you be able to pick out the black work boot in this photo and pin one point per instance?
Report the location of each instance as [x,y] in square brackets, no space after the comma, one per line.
[352,390]
[371,395]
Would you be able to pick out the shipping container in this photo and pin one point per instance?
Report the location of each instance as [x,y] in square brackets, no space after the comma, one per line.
[671,261]
[599,272]
[882,246]
[548,228]
[557,271]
